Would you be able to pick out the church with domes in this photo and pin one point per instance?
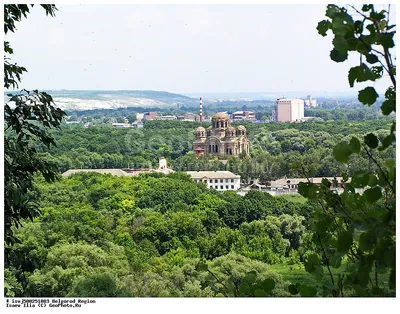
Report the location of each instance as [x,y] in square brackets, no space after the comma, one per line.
[221,139]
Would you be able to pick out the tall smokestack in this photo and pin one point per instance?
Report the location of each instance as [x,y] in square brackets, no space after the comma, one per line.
[201,110]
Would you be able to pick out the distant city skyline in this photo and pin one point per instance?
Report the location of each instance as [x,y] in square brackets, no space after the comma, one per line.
[184,49]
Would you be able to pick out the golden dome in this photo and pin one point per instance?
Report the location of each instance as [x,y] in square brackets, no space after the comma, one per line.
[200,128]
[241,127]
[221,115]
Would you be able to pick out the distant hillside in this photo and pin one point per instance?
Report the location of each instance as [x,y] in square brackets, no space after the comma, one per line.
[104,99]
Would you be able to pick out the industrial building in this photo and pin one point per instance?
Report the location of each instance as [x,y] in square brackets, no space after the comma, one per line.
[243,115]
[289,110]
[310,103]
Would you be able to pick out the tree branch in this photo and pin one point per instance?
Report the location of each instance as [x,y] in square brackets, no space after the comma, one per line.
[326,260]
[380,168]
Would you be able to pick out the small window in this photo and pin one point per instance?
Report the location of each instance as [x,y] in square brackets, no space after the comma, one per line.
[232,187]
[221,180]
[226,180]
[227,187]
[231,180]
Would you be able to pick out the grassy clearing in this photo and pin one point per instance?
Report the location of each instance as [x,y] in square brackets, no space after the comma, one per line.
[294,198]
[294,274]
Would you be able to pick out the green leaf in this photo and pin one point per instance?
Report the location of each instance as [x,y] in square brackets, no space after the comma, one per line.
[293,290]
[382,25]
[353,75]
[307,291]
[371,58]
[386,40]
[371,28]
[377,292]
[253,288]
[377,72]
[377,16]
[251,277]
[392,279]
[360,291]
[338,56]
[268,285]
[390,93]
[355,201]
[390,163]
[325,182]
[231,289]
[372,181]
[311,263]
[364,43]
[368,95]
[364,270]
[342,152]
[358,27]
[336,260]
[344,241]
[373,194]
[332,10]
[244,289]
[323,27]
[328,284]
[342,24]
[308,190]
[367,7]
[322,224]
[361,73]
[371,140]
[355,145]
[338,26]
[366,242]
[260,293]
[388,106]
[201,266]
[340,44]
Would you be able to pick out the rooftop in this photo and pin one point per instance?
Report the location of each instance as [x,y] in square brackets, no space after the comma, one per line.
[316,180]
[212,175]
[288,99]
[243,112]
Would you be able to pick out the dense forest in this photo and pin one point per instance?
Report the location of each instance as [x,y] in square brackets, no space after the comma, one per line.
[100,235]
[277,149]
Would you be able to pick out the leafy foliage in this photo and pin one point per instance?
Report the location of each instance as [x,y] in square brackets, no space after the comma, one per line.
[87,242]
[28,116]
[358,226]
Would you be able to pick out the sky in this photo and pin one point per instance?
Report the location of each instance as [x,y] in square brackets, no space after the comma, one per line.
[180,49]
